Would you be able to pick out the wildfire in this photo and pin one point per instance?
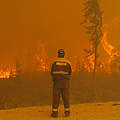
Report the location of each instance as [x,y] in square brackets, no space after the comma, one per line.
[41,61]
[111,50]
[7,73]
[90,65]
[40,58]
[107,47]
[4,74]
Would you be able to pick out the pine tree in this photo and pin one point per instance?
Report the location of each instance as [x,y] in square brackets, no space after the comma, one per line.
[93,24]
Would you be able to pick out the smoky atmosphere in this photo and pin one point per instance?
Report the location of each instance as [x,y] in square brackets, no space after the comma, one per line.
[59,58]
[55,23]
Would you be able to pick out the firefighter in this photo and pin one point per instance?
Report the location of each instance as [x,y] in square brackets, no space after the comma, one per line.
[61,71]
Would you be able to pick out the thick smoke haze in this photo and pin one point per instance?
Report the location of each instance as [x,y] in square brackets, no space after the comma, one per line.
[23,23]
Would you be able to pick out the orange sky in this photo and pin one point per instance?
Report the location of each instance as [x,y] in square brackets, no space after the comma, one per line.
[55,22]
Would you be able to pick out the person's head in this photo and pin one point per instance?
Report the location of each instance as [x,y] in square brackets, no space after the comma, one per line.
[61,53]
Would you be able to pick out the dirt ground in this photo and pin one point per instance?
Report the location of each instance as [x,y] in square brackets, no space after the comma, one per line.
[90,111]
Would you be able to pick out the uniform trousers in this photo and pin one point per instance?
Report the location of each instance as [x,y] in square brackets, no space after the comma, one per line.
[57,92]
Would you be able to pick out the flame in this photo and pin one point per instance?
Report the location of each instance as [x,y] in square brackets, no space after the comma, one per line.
[107,47]
[42,62]
[90,66]
[113,52]
[4,74]
[40,58]
[7,71]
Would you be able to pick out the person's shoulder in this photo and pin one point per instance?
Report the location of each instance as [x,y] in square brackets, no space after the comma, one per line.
[54,62]
[67,61]
[62,60]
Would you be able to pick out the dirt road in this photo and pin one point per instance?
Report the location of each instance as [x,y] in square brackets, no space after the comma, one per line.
[91,111]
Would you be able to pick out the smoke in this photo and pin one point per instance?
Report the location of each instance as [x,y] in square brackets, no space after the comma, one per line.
[56,23]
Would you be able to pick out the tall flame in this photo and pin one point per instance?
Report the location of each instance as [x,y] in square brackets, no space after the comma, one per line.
[113,52]
[41,58]
[42,62]
[107,47]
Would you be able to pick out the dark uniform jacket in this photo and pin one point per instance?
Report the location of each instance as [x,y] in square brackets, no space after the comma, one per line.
[61,71]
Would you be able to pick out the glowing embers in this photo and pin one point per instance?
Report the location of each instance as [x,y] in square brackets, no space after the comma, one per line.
[4,74]
[90,63]
[7,73]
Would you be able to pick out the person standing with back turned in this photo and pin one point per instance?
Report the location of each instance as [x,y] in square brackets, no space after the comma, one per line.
[61,71]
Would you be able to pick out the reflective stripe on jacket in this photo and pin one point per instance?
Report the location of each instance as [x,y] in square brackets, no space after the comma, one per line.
[61,66]
[61,71]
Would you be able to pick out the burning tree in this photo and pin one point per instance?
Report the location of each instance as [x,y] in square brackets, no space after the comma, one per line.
[93,25]
[40,58]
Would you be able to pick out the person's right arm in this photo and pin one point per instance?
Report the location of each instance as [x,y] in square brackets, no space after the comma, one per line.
[70,69]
